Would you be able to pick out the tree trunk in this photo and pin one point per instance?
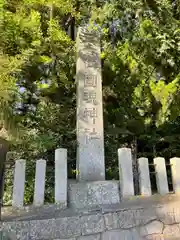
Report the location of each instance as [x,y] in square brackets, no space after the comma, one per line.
[154,150]
[135,166]
[3,153]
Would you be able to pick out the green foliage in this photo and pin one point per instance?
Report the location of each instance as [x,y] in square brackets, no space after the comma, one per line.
[144,47]
[141,74]
[37,80]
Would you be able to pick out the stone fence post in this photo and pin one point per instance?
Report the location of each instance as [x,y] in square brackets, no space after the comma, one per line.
[40,182]
[61,176]
[161,175]
[175,169]
[19,184]
[125,172]
[144,177]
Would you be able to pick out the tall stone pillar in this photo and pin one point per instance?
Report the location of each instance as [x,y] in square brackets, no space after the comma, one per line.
[90,132]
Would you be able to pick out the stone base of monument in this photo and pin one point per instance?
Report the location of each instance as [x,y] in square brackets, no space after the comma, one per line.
[151,218]
[93,194]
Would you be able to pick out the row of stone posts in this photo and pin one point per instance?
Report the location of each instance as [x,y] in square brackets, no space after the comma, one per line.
[40,175]
[125,175]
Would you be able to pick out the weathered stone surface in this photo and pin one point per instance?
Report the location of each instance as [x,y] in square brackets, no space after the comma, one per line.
[4,235]
[90,237]
[154,227]
[64,239]
[171,213]
[55,228]
[20,229]
[83,195]
[144,177]
[71,224]
[125,172]
[175,166]
[166,214]
[145,215]
[92,224]
[135,217]
[61,176]
[161,175]
[111,221]
[171,231]
[19,183]
[39,182]
[90,134]
[136,235]
[154,237]
[121,235]
[127,219]
[177,213]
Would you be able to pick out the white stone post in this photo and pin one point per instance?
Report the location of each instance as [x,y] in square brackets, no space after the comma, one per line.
[19,183]
[61,176]
[175,169]
[125,172]
[39,182]
[161,175]
[144,177]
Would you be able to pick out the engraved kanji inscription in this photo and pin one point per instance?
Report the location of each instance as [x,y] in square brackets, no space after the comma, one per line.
[86,134]
[89,95]
[92,61]
[90,81]
[94,64]
[91,134]
[90,112]
[89,64]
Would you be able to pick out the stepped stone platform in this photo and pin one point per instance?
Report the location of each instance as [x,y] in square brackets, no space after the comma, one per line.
[153,217]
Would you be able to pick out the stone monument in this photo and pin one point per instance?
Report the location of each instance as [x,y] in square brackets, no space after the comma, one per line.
[90,136]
